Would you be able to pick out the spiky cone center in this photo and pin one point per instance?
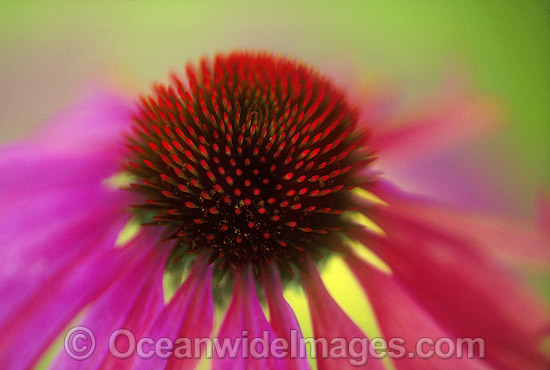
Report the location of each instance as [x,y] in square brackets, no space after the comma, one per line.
[251,159]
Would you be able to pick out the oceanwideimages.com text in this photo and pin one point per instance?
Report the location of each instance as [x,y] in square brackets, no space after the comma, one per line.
[80,344]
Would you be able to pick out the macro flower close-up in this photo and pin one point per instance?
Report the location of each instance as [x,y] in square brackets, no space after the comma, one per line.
[255,209]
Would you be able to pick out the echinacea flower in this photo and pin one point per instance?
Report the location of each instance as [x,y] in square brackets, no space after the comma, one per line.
[245,176]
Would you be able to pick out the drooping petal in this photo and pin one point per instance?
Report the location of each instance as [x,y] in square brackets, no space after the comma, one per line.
[60,224]
[282,318]
[245,336]
[450,118]
[330,322]
[62,294]
[470,293]
[424,149]
[49,212]
[80,146]
[29,170]
[403,319]
[54,238]
[458,177]
[506,238]
[93,125]
[69,227]
[189,315]
[130,303]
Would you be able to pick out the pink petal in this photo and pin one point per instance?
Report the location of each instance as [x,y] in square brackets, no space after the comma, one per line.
[329,322]
[452,117]
[189,315]
[80,146]
[46,311]
[47,213]
[62,222]
[29,170]
[95,124]
[470,293]
[69,227]
[401,316]
[282,318]
[245,314]
[419,150]
[511,239]
[130,303]
[456,177]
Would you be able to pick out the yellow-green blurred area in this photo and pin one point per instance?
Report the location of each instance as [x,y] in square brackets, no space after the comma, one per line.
[50,50]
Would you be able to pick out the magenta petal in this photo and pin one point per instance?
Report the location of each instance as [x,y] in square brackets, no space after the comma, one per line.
[61,238]
[80,146]
[130,303]
[189,314]
[46,311]
[447,120]
[469,292]
[48,213]
[282,318]
[95,124]
[329,322]
[245,319]
[511,239]
[401,316]
[29,170]
[409,148]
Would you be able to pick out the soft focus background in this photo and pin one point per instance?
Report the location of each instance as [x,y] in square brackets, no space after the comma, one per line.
[51,51]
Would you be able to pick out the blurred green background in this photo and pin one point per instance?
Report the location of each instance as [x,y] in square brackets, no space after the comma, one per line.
[50,50]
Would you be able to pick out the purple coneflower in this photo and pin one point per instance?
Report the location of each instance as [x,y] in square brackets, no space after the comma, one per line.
[245,177]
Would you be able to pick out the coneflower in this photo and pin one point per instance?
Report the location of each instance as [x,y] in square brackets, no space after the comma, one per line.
[246,174]
[252,164]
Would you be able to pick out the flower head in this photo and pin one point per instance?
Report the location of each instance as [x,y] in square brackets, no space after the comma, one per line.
[250,170]
[252,164]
